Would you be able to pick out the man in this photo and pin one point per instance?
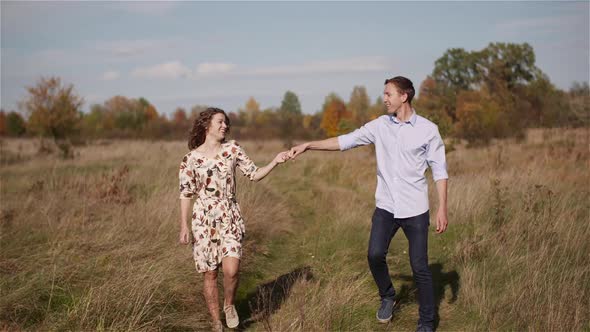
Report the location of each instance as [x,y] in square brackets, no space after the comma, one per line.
[405,144]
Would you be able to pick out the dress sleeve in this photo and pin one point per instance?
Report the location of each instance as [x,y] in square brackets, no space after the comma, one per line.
[244,163]
[186,177]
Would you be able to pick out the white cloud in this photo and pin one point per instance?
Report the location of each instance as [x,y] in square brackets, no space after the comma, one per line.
[175,69]
[208,68]
[144,7]
[350,65]
[110,75]
[168,70]
[559,23]
[126,48]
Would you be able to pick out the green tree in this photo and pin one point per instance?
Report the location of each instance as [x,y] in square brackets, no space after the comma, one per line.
[456,70]
[290,104]
[289,117]
[506,63]
[500,67]
[96,122]
[12,124]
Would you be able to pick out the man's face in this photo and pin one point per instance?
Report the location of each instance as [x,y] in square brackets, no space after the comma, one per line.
[392,99]
[217,127]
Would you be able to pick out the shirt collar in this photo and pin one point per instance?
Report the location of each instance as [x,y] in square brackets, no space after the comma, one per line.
[411,121]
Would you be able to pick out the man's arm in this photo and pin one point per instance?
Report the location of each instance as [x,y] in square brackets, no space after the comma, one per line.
[441,214]
[329,144]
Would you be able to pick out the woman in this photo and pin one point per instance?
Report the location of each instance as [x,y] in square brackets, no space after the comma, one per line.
[207,175]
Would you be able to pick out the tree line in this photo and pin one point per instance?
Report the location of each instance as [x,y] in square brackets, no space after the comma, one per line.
[473,95]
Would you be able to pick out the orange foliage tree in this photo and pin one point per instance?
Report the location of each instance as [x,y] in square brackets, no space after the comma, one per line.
[334,116]
[53,109]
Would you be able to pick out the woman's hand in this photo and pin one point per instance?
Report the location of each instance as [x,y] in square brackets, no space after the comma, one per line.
[282,157]
[184,235]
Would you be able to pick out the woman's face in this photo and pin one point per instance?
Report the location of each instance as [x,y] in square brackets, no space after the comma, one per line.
[217,127]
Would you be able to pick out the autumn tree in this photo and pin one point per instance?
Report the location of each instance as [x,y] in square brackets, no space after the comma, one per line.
[377,109]
[251,111]
[268,124]
[53,108]
[579,100]
[148,109]
[334,112]
[179,117]
[180,123]
[358,105]
[2,122]
[483,116]
[431,105]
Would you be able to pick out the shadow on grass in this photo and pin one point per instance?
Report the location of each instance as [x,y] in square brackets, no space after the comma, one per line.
[441,280]
[268,297]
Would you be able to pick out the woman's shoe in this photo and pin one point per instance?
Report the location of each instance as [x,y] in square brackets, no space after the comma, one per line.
[231,316]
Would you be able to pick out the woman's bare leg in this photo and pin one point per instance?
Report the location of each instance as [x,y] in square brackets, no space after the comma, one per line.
[231,267]
[211,294]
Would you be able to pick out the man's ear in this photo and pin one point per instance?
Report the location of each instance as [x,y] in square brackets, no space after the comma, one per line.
[404,97]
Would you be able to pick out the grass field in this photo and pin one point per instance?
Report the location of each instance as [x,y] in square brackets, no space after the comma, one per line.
[91,243]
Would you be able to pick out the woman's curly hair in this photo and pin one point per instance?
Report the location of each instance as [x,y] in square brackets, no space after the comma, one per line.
[201,124]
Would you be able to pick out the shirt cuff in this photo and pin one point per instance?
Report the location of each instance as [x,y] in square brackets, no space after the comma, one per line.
[440,175]
[345,142]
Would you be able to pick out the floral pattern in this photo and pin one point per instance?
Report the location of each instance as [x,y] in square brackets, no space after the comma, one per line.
[217,224]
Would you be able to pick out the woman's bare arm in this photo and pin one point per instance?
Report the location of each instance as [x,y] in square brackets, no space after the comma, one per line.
[185,211]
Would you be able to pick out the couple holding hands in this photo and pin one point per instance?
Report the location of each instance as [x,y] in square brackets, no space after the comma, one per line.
[405,145]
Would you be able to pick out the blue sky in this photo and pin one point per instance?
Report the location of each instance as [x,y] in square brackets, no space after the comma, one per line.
[187,53]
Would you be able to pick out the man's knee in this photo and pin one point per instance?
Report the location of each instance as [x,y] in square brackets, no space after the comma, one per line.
[420,269]
[375,257]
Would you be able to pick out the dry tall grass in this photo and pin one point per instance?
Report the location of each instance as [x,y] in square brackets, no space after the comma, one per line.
[91,243]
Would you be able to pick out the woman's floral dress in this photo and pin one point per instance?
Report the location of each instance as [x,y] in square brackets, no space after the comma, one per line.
[217,224]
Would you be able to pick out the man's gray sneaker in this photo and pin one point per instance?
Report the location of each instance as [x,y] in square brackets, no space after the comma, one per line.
[385,312]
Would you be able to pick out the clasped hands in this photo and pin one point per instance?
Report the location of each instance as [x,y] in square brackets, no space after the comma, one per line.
[291,154]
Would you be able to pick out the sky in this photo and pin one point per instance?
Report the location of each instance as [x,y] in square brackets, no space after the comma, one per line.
[181,54]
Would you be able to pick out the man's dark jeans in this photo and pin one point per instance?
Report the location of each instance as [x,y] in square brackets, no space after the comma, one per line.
[416,230]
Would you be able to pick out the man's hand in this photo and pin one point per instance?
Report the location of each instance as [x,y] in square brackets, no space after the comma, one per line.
[441,220]
[297,150]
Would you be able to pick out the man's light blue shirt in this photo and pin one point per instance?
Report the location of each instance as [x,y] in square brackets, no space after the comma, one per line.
[404,150]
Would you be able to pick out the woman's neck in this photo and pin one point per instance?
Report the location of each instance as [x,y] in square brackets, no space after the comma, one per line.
[211,144]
